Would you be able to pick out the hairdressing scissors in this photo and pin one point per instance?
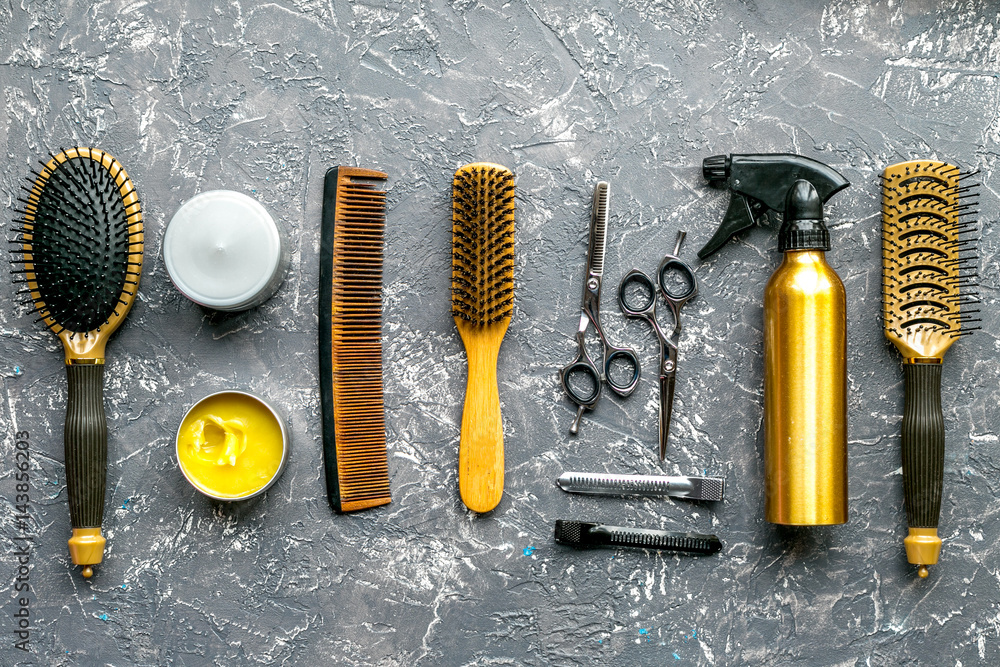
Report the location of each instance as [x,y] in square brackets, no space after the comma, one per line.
[581,378]
[676,283]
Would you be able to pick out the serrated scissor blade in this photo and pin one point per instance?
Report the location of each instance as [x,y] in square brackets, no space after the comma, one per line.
[605,484]
[598,229]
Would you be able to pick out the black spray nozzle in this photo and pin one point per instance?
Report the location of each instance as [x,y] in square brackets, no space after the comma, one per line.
[715,168]
[802,225]
[760,183]
[802,202]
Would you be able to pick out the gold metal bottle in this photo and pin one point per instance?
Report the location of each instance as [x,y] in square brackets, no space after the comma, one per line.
[805,333]
[805,392]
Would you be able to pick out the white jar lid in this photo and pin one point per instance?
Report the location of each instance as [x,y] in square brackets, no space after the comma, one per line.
[223,250]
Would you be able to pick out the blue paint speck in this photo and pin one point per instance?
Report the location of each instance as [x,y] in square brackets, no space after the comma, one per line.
[18,371]
[124,586]
[104,617]
[125,504]
[676,657]
[529,550]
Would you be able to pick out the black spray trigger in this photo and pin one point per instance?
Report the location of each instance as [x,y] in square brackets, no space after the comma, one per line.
[759,183]
[743,213]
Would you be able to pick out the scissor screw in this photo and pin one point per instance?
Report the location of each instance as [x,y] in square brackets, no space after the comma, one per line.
[668,366]
[592,284]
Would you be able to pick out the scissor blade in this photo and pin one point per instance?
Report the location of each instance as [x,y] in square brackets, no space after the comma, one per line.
[598,229]
[666,410]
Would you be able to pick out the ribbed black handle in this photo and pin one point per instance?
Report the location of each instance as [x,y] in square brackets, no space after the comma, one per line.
[86,443]
[923,445]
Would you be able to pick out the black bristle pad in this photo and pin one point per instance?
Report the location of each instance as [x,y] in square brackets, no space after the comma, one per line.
[80,244]
[483,244]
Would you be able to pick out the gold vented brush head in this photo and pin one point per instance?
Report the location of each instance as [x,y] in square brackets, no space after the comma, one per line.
[928,257]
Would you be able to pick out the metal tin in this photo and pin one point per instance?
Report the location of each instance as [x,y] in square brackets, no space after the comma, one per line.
[285,445]
[223,250]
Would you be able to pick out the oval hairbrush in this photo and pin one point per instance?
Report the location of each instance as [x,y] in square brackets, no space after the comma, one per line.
[80,242]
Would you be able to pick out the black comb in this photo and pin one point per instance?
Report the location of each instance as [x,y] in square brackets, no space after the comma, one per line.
[584,535]
[930,266]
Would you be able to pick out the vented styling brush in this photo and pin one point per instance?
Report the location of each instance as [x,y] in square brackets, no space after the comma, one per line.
[929,260]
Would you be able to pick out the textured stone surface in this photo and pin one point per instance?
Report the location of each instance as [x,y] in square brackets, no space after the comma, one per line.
[263,98]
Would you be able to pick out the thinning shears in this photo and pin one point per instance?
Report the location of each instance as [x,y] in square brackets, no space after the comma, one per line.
[581,378]
[677,284]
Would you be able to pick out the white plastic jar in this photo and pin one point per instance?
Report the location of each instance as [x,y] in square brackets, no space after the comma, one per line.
[223,250]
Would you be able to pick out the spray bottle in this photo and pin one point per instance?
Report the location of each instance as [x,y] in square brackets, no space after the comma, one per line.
[805,334]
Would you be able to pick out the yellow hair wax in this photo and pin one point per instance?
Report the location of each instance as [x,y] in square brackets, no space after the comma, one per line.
[231,445]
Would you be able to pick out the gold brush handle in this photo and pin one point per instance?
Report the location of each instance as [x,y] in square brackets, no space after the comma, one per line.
[480,451]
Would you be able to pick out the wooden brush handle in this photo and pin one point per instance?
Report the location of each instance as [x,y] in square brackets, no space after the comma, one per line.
[86,450]
[923,460]
[480,452]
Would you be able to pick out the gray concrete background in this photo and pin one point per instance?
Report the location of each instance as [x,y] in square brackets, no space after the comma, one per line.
[263,98]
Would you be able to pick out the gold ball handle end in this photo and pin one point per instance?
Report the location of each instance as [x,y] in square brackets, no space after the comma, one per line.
[923,546]
[86,548]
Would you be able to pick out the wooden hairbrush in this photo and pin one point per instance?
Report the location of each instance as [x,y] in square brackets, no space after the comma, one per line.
[80,241]
[482,301]
[350,339]
[929,263]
